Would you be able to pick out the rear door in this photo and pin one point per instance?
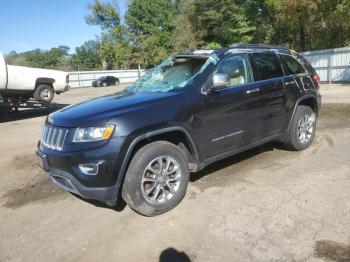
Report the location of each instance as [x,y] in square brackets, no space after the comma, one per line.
[268,77]
[296,71]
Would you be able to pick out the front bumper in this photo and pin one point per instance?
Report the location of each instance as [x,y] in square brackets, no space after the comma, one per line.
[68,183]
[62,167]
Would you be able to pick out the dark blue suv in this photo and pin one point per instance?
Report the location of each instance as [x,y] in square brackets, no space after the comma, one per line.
[193,109]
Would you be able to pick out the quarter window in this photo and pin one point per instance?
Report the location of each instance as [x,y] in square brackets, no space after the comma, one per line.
[266,66]
[291,66]
[237,69]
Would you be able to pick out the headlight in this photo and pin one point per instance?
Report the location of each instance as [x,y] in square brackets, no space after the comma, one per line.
[90,134]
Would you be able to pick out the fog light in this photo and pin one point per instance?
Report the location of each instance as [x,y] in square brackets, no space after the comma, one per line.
[90,169]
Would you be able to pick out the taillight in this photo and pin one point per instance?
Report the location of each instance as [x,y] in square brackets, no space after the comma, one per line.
[317,78]
[67,79]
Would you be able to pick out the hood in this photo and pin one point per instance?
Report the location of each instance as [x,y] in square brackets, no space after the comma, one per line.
[99,110]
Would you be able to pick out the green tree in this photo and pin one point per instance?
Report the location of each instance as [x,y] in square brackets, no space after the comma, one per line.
[11,57]
[106,15]
[151,50]
[115,40]
[151,21]
[55,58]
[224,22]
[293,22]
[334,24]
[187,34]
[147,17]
[212,23]
[87,56]
[123,54]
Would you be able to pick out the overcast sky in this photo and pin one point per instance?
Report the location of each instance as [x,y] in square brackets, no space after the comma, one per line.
[30,24]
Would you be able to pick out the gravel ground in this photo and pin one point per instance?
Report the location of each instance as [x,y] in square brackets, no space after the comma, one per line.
[266,204]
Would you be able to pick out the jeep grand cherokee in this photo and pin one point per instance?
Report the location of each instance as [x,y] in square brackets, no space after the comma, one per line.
[193,109]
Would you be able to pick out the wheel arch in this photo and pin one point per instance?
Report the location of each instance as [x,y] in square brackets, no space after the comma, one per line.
[177,135]
[310,102]
[45,81]
[307,100]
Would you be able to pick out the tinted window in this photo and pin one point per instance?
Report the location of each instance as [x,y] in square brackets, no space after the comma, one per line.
[237,69]
[266,66]
[304,62]
[291,66]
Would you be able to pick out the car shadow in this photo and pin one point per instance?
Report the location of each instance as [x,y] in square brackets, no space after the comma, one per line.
[235,159]
[22,114]
[121,204]
[172,255]
[119,207]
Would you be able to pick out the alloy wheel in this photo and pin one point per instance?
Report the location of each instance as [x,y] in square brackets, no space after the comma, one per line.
[306,128]
[161,180]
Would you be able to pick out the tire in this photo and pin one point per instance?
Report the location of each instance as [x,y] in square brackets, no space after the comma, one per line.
[302,130]
[104,84]
[3,113]
[117,82]
[141,185]
[43,93]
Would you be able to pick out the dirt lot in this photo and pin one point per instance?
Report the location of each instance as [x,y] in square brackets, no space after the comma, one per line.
[263,205]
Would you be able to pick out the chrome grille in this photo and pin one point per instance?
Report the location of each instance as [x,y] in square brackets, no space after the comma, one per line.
[53,137]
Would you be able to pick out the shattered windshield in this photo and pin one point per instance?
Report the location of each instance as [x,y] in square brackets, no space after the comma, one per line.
[173,74]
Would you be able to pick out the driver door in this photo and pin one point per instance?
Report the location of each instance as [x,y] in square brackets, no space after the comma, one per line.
[230,112]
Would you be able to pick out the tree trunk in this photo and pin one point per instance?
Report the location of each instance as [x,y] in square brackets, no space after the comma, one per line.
[302,37]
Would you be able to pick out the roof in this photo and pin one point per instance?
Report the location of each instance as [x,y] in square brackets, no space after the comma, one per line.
[239,48]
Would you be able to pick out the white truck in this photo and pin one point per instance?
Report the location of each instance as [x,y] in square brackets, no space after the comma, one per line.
[22,83]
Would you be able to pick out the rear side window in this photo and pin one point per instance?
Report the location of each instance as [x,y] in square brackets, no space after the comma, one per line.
[303,61]
[291,65]
[266,66]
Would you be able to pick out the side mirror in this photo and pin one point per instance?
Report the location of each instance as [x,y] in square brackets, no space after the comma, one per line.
[220,80]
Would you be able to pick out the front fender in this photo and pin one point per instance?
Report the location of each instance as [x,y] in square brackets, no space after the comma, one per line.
[131,142]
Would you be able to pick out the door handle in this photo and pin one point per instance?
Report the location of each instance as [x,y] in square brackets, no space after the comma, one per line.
[253,91]
[289,83]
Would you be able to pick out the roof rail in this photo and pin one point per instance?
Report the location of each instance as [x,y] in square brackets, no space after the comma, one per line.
[257,46]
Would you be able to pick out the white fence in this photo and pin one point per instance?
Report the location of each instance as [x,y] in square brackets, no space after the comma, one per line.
[85,78]
[333,65]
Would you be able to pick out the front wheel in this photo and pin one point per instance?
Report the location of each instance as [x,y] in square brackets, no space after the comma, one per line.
[157,178]
[302,130]
[44,93]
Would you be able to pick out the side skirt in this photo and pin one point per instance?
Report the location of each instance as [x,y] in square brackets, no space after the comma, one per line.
[213,159]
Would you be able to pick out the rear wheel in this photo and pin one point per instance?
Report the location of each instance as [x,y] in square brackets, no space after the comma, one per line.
[44,93]
[157,178]
[3,113]
[302,129]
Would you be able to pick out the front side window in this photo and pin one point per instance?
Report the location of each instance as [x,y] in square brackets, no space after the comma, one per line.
[236,68]
[291,66]
[266,66]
